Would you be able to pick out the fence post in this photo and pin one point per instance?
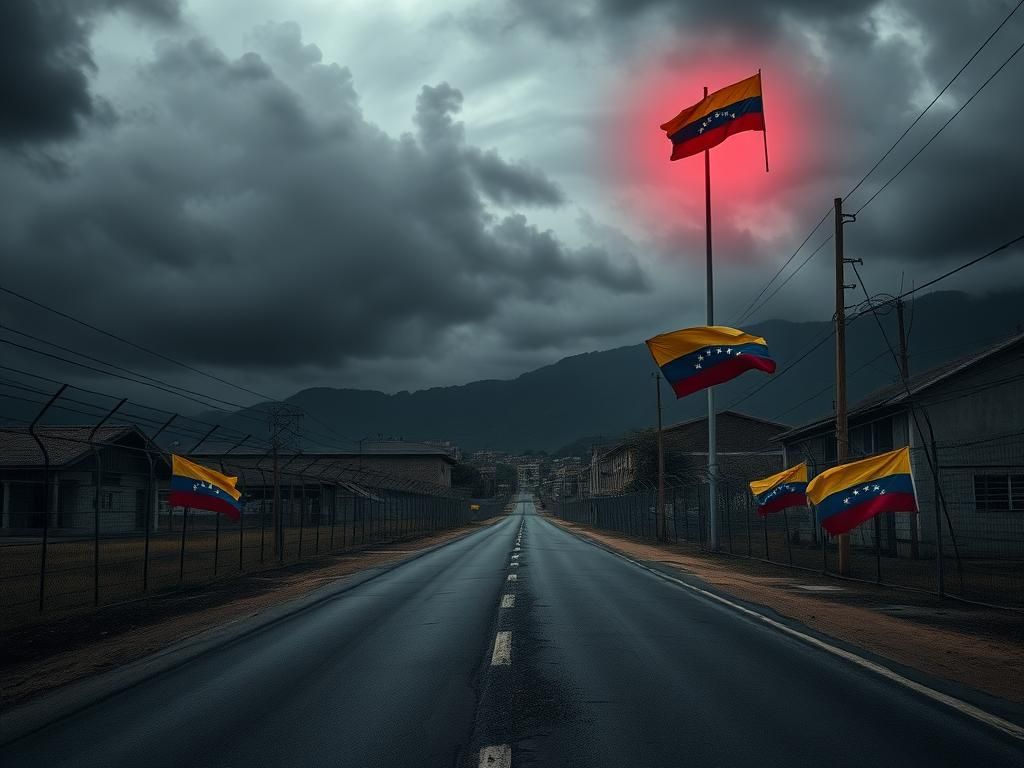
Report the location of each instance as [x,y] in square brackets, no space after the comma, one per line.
[98,499]
[181,556]
[47,496]
[241,513]
[750,548]
[152,508]
[878,548]
[789,544]
[263,510]
[940,576]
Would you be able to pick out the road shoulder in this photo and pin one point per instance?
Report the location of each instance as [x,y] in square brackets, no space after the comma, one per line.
[967,651]
[137,639]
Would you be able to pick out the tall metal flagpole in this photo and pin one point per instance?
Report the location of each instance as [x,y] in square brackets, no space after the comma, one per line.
[712,436]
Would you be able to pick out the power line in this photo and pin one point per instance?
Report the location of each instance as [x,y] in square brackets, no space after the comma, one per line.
[822,391]
[792,256]
[932,103]
[792,274]
[941,129]
[750,310]
[116,367]
[147,381]
[970,263]
[776,376]
[162,356]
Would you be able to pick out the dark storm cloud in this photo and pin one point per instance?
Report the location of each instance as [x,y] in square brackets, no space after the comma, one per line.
[249,216]
[882,61]
[45,63]
[581,18]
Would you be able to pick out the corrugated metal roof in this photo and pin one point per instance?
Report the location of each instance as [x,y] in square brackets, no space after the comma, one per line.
[65,445]
[898,394]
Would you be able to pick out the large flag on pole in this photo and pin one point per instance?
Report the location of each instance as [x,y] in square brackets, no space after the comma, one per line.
[696,358]
[849,494]
[199,487]
[787,488]
[716,117]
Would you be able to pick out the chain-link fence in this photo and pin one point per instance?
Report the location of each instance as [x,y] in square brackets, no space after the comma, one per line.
[105,532]
[969,545]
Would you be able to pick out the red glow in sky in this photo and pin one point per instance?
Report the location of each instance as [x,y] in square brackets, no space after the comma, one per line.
[668,196]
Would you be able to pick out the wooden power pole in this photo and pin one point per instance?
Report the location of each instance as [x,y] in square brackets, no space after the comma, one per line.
[660,515]
[904,357]
[842,436]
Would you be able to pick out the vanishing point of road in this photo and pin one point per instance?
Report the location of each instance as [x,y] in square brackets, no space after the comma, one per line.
[519,644]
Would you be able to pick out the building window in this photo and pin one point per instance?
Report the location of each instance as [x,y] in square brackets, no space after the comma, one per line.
[828,449]
[999,493]
[882,434]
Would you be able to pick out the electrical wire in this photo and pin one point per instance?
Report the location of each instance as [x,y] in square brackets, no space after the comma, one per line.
[750,310]
[940,130]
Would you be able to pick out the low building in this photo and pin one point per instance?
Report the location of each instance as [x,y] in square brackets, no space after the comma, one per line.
[107,468]
[613,468]
[745,450]
[528,474]
[394,464]
[973,410]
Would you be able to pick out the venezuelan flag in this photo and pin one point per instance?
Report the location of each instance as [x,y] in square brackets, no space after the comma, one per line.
[849,494]
[717,117]
[696,358]
[787,488]
[199,487]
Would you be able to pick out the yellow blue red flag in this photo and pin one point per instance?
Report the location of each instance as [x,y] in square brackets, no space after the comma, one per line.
[199,487]
[784,489]
[716,117]
[847,495]
[696,358]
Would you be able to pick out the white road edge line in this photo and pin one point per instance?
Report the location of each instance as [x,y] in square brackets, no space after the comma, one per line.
[959,705]
[496,757]
[508,601]
[502,655]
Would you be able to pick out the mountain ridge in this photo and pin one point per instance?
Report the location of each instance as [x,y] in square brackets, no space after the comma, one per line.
[547,408]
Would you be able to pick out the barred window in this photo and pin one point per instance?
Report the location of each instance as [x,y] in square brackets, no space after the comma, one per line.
[999,493]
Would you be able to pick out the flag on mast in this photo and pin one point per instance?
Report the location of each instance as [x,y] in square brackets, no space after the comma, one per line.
[199,487]
[716,117]
[849,494]
[782,490]
[697,358]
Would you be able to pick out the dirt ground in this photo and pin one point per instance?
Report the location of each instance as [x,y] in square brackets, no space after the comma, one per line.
[48,654]
[979,647]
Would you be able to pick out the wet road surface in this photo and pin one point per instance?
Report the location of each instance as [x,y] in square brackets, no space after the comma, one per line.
[520,643]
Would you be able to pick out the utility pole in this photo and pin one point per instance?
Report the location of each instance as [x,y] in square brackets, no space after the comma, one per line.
[660,516]
[904,358]
[285,432]
[712,422]
[842,436]
[915,536]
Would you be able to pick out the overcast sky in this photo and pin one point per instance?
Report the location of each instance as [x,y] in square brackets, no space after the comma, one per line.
[397,195]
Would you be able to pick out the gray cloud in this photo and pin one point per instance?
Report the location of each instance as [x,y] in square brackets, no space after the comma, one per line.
[275,228]
[881,62]
[45,62]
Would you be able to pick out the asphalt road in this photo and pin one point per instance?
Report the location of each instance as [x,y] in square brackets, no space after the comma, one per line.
[592,661]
